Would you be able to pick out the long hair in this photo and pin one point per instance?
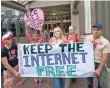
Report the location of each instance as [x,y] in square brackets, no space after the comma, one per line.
[61,33]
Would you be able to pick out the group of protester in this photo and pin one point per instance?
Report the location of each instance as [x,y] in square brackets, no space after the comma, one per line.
[10,61]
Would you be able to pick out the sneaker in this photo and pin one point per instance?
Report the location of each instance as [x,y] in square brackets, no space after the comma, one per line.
[40,83]
[36,83]
[73,80]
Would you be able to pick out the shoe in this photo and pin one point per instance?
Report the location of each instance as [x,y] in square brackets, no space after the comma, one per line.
[36,83]
[40,83]
[74,80]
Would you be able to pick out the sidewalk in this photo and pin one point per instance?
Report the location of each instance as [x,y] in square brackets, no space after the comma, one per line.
[48,83]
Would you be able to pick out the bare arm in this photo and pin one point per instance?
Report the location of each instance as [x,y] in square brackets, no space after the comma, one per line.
[106,50]
[28,36]
[42,38]
[78,39]
[103,61]
[7,66]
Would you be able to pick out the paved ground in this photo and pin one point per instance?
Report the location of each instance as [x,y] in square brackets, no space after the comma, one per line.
[29,83]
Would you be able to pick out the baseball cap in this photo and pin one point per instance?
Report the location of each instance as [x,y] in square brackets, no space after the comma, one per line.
[7,35]
[10,33]
[97,25]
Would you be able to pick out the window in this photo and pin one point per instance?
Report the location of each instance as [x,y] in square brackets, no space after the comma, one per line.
[22,28]
[66,26]
[54,25]
[45,26]
[13,28]
[49,26]
[13,25]
[8,13]
[4,26]
[67,18]
[2,14]
[3,31]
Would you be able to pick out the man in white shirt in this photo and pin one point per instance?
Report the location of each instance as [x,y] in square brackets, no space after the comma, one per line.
[101,50]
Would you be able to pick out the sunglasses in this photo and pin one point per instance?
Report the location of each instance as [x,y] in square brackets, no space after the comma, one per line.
[9,38]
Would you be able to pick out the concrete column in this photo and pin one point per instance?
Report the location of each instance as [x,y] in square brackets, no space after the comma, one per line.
[87,8]
[16,12]
[107,35]
[74,18]
[107,23]
[17,30]
[93,12]
[99,11]
[81,17]
[107,19]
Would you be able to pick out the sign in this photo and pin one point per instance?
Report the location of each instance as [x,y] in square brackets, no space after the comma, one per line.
[73,60]
[34,19]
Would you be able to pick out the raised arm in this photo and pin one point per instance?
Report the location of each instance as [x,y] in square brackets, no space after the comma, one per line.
[28,36]
[42,38]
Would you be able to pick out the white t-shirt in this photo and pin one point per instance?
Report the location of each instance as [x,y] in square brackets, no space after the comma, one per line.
[102,46]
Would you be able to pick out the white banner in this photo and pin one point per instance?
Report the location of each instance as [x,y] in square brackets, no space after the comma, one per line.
[73,60]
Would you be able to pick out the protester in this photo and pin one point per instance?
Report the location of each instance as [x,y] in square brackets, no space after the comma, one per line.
[35,39]
[58,38]
[11,35]
[46,34]
[51,33]
[10,61]
[101,50]
[73,37]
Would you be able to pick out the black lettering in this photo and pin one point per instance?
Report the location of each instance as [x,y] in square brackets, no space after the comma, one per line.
[71,47]
[47,47]
[35,12]
[40,48]
[27,15]
[62,47]
[26,61]
[83,57]
[33,49]
[74,58]
[79,47]
[25,49]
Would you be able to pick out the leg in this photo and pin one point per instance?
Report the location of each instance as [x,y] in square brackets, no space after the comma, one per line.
[8,79]
[56,83]
[90,82]
[62,82]
[36,81]
[102,79]
[18,80]
[40,81]
[67,82]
